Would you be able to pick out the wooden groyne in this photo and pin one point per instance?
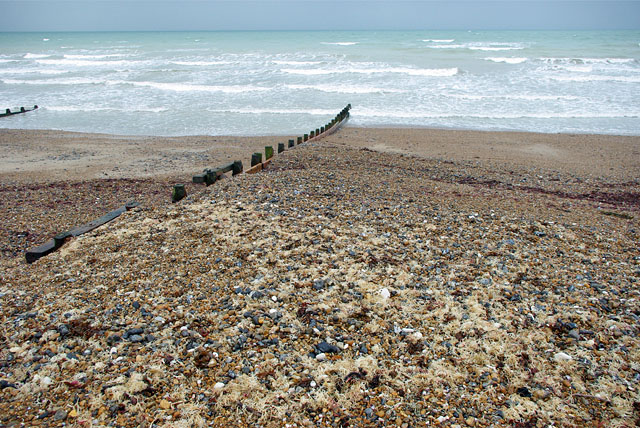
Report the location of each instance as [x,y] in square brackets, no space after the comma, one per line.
[57,241]
[313,135]
[17,110]
[207,177]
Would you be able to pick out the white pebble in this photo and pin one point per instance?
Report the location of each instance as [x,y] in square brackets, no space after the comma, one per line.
[274,298]
[385,293]
[114,350]
[561,356]
[313,384]
[321,357]
[218,386]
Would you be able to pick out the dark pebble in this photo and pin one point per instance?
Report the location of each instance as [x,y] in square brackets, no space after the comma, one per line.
[136,338]
[326,348]
[63,329]
[5,384]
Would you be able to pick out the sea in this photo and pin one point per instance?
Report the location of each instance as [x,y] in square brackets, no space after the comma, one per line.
[289,82]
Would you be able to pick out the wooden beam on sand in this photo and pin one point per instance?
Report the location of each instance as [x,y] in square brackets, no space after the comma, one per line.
[57,241]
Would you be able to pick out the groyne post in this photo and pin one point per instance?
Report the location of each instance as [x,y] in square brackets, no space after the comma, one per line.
[179,192]
[256,158]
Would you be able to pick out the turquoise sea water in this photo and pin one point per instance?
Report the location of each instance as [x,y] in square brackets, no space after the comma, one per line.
[265,83]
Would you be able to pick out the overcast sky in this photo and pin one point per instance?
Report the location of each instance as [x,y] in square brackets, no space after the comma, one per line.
[175,15]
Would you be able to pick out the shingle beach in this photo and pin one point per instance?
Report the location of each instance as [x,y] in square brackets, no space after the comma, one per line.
[377,277]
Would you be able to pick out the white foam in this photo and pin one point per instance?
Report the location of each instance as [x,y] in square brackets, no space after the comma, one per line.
[561,60]
[516,97]
[439,40]
[89,108]
[507,60]
[45,40]
[496,48]
[315,112]
[278,62]
[428,72]
[340,43]
[187,87]
[447,46]
[345,89]
[15,71]
[200,63]
[83,63]
[78,56]
[597,78]
[580,68]
[35,56]
[70,81]
[365,112]
[4,61]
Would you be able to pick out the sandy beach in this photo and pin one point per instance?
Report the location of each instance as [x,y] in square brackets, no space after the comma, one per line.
[378,277]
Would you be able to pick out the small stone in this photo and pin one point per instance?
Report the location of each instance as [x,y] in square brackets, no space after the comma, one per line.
[60,415]
[164,404]
[470,421]
[218,386]
[368,411]
[561,356]
[327,348]
[574,334]
[321,357]
[380,413]
[385,293]
[72,413]
[136,338]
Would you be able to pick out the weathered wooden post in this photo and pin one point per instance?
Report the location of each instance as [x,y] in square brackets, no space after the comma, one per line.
[8,111]
[306,136]
[211,177]
[268,152]
[322,129]
[22,110]
[280,147]
[60,238]
[299,141]
[237,167]
[311,134]
[178,193]
[256,158]
[317,131]
[292,143]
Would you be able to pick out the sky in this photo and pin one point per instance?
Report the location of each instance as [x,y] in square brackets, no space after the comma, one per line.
[196,15]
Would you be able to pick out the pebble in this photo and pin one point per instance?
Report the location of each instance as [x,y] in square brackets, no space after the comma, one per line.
[561,356]
[60,415]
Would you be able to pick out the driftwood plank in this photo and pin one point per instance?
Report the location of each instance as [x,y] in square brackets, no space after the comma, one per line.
[53,244]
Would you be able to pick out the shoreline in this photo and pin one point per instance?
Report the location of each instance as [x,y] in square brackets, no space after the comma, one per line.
[52,154]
